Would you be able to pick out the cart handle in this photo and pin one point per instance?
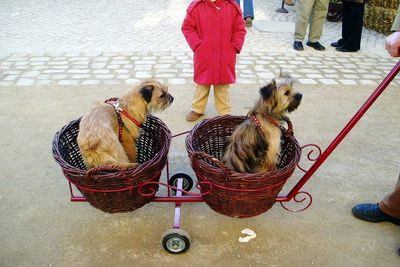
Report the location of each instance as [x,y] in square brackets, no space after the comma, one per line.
[378,91]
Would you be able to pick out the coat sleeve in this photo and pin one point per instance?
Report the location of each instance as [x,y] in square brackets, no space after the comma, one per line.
[190,32]
[239,31]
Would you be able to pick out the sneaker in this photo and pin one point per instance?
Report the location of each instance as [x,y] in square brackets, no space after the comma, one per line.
[193,116]
[316,46]
[249,22]
[372,213]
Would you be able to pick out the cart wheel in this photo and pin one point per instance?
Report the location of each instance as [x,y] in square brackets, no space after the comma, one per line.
[187,181]
[175,241]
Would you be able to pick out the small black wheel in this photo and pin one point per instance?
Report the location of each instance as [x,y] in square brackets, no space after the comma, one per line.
[175,241]
[187,181]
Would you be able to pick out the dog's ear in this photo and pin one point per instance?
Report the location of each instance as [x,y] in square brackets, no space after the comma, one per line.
[147,92]
[266,91]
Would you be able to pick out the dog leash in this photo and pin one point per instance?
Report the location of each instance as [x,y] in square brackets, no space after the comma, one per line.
[114,102]
[258,124]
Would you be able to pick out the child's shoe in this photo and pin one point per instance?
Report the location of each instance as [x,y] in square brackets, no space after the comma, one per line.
[249,22]
[193,116]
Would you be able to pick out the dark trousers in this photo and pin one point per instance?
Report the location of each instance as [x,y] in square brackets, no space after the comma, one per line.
[352,23]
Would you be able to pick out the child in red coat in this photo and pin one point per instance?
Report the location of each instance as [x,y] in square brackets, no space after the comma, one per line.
[214,30]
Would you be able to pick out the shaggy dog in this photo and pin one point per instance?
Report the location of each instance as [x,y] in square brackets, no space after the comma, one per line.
[254,146]
[108,133]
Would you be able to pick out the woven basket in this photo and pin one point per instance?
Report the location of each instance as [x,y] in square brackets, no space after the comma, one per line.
[110,188]
[232,193]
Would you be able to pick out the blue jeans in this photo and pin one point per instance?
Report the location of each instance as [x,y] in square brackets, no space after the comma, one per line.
[248,8]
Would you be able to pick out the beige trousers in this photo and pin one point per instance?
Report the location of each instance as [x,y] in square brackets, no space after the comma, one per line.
[313,12]
[391,203]
[221,98]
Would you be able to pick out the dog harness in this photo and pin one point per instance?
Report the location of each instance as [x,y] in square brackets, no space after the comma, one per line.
[269,118]
[114,102]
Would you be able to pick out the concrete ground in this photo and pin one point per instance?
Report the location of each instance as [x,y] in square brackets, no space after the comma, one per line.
[58,58]
[41,227]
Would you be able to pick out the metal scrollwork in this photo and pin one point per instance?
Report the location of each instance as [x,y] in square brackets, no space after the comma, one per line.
[152,191]
[314,153]
[307,199]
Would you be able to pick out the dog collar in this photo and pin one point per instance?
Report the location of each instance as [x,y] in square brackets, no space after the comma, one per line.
[115,103]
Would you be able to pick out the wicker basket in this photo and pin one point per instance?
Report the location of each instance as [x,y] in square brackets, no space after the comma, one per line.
[232,193]
[110,188]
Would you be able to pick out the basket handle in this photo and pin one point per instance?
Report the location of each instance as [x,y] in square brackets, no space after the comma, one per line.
[203,155]
[289,124]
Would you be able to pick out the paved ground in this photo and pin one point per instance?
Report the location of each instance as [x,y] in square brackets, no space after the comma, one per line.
[67,43]
[58,57]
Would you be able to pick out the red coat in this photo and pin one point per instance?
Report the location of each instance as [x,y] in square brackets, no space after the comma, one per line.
[215,32]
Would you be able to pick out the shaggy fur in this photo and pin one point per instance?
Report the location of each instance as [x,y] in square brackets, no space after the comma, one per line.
[251,149]
[98,130]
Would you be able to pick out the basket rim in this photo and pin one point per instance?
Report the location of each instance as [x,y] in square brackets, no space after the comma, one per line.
[238,175]
[66,167]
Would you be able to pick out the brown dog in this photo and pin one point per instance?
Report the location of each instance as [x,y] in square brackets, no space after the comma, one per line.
[98,138]
[254,146]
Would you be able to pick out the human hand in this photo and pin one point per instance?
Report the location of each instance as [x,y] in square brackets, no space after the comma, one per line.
[392,44]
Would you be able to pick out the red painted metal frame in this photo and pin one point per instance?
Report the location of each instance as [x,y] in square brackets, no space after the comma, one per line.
[295,192]
[378,91]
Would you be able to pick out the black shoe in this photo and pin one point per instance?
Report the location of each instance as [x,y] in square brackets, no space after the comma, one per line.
[372,213]
[342,49]
[316,46]
[338,43]
[297,45]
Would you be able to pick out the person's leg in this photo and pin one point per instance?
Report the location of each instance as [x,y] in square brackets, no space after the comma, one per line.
[200,98]
[221,99]
[303,11]
[346,21]
[391,203]
[248,10]
[318,17]
[357,14]
[388,210]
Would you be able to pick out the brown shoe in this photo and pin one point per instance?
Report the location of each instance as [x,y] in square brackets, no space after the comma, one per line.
[193,116]
[249,22]
[289,2]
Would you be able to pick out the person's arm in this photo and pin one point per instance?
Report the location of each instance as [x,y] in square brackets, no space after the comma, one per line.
[239,31]
[189,30]
[392,43]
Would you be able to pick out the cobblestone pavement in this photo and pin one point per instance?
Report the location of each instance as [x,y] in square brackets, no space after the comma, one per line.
[66,43]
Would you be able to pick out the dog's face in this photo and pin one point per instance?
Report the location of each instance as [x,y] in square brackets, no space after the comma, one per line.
[148,96]
[279,96]
[155,95]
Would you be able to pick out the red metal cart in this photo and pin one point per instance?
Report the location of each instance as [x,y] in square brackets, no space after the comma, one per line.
[178,186]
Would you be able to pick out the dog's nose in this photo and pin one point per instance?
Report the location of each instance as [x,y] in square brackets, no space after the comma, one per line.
[170,98]
[298,96]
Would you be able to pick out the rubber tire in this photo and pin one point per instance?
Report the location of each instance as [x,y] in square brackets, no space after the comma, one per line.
[187,181]
[176,233]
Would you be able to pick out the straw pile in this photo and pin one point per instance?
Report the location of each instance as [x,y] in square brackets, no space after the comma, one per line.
[380,14]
